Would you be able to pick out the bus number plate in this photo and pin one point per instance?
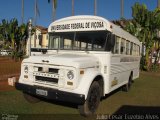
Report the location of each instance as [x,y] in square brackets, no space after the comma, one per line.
[41,92]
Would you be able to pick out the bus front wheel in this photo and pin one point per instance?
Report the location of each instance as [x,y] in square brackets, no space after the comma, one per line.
[93,99]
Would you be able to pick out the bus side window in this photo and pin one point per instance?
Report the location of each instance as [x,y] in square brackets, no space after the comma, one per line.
[127,47]
[117,43]
[131,48]
[134,49]
[122,46]
[138,51]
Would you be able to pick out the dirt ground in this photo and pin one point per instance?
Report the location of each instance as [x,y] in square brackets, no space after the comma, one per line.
[8,68]
[4,85]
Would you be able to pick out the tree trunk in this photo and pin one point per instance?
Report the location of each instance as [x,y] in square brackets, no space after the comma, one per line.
[72,7]
[147,59]
[122,9]
[95,7]
[53,11]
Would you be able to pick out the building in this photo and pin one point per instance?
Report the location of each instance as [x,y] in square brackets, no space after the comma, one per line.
[39,39]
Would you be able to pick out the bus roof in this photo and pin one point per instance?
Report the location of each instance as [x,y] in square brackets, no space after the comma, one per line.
[89,23]
[118,31]
[79,23]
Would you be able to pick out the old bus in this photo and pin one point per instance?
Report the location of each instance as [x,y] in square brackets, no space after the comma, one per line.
[88,57]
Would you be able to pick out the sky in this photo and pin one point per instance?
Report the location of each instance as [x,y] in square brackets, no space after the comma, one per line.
[109,9]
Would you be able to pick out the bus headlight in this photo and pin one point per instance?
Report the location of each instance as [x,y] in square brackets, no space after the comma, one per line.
[26,69]
[70,75]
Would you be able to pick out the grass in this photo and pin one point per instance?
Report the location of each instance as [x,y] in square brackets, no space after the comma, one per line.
[144,92]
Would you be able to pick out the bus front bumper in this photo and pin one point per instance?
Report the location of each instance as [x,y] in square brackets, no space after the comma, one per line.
[52,94]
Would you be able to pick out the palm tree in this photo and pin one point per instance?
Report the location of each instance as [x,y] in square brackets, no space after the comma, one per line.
[4,32]
[72,7]
[54,6]
[36,11]
[22,37]
[35,19]
[144,26]
[12,31]
[95,7]
[22,11]
[13,36]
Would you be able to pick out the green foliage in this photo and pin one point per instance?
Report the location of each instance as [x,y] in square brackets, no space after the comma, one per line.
[144,26]
[14,36]
[143,64]
[154,68]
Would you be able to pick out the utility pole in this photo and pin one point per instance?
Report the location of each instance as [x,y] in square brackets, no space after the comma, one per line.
[122,8]
[22,11]
[35,21]
[72,7]
[158,3]
[30,35]
[95,7]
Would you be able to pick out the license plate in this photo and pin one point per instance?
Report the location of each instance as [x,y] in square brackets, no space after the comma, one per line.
[41,92]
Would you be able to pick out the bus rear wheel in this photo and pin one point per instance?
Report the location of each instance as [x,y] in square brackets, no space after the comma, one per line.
[92,102]
[127,86]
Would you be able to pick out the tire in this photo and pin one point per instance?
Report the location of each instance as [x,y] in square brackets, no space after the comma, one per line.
[127,86]
[30,98]
[92,102]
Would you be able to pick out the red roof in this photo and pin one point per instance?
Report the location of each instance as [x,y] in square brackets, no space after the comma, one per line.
[43,30]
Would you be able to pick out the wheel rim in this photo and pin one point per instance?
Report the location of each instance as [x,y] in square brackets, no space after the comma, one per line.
[94,100]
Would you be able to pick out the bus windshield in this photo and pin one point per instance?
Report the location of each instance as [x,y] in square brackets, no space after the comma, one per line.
[78,40]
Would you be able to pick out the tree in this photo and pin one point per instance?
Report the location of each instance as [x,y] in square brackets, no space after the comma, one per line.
[13,32]
[54,7]
[14,37]
[3,34]
[22,37]
[144,26]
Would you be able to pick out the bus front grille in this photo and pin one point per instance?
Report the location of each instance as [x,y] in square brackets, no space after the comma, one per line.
[46,79]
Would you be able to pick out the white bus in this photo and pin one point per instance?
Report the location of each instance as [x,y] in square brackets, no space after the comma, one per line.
[88,57]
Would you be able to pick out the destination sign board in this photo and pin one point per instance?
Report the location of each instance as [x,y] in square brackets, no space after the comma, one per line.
[78,26]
